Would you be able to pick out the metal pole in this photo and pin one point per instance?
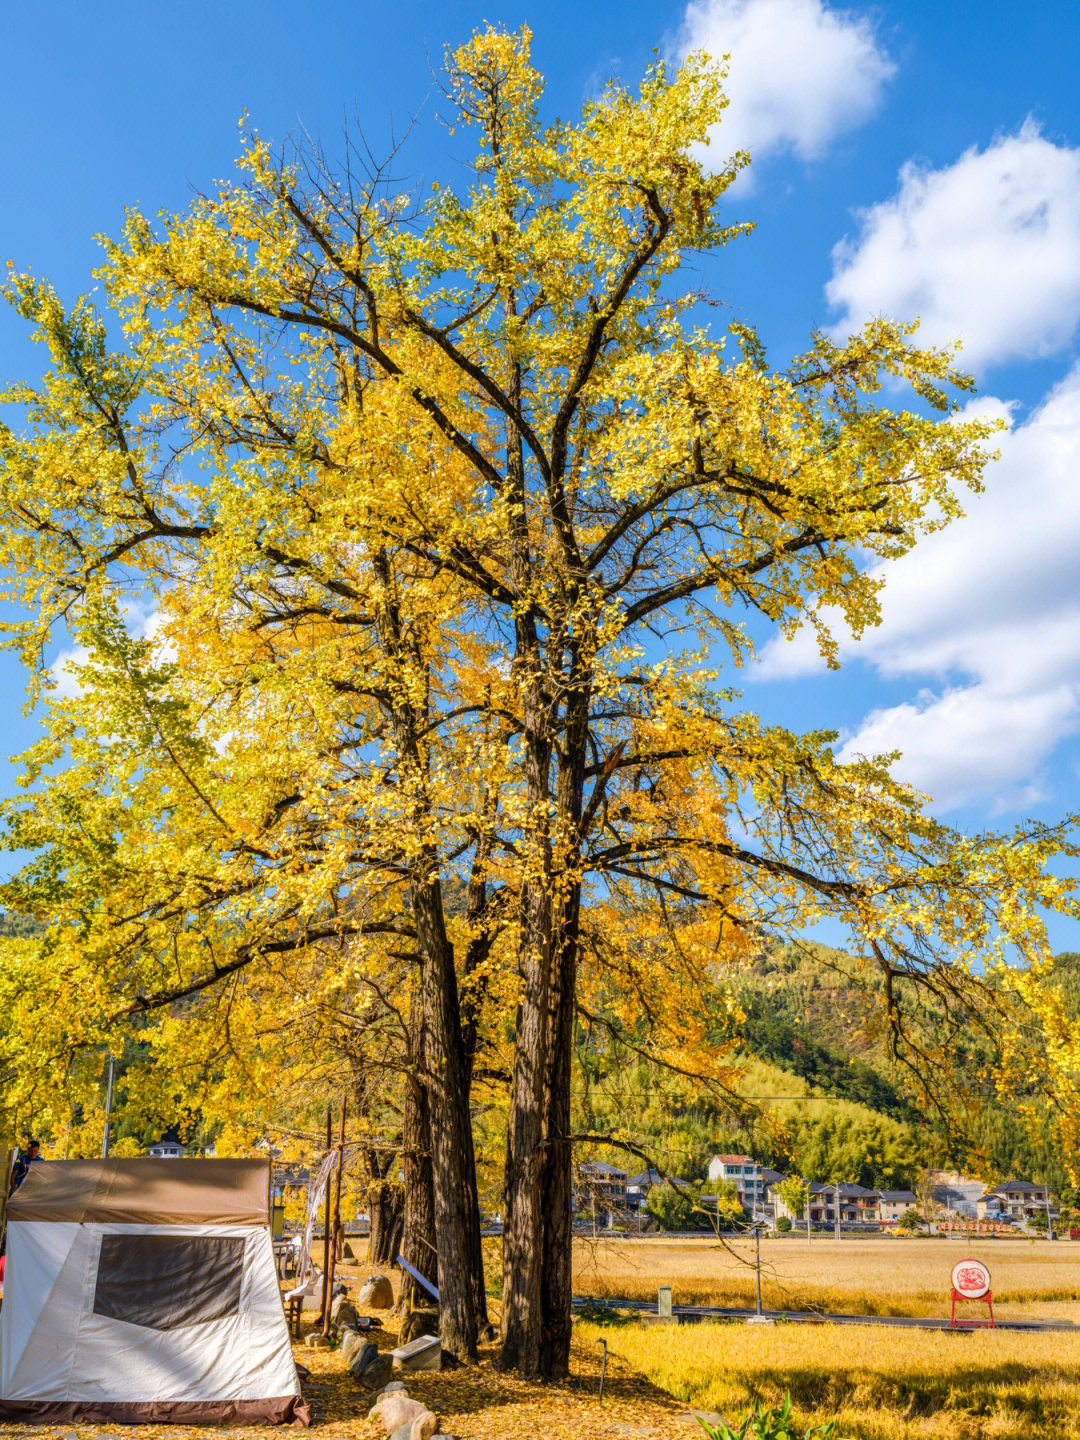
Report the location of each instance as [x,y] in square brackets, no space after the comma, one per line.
[836,1203]
[806,1203]
[337,1218]
[1049,1221]
[326,1229]
[108,1110]
[757,1266]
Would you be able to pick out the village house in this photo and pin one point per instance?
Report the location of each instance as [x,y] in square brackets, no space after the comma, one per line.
[600,1187]
[893,1205]
[1016,1200]
[956,1194]
[745,1174]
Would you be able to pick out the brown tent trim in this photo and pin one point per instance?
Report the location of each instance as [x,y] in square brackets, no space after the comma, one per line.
[277,1410]
[145,1192]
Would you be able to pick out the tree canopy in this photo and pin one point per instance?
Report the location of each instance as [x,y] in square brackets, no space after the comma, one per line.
[446,515]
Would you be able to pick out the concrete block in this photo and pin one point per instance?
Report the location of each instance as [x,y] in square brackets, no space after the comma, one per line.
[423,1353]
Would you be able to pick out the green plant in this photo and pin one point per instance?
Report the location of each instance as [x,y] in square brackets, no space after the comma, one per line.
[783,1225]
[773,1422]
[910,1221]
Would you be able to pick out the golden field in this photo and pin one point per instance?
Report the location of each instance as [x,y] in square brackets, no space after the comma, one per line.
[884,1276]
[877,1383]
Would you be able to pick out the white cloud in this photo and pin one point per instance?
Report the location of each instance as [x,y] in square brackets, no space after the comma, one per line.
[62,672]
[801,73]
[142,623]
[989,609]
[986,250]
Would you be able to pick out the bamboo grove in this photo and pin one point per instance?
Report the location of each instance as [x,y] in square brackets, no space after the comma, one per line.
[408,549]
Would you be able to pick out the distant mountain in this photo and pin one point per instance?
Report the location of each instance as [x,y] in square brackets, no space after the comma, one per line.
[19,927]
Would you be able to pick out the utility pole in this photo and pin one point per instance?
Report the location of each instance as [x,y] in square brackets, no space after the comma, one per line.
[108,1109]
[757,1265]
[836,1210]
[1049,1219]
[326,1295]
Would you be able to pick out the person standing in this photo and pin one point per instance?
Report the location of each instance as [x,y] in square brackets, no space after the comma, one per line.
[22,1165]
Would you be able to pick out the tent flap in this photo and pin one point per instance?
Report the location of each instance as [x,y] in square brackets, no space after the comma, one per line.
[145,1192]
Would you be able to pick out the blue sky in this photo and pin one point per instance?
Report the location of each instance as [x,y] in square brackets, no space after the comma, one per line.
[908,159]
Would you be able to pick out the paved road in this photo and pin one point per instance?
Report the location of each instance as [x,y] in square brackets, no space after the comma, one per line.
[694,1314]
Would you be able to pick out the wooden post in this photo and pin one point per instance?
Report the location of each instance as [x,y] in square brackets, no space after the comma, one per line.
[326,1233]
[328,1304]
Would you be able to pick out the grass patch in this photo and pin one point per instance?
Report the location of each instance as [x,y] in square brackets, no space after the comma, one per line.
[882,1276]
[877,1384]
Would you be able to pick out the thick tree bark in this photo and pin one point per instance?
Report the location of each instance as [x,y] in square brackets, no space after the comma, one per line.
[454,1168]
[386,1209]
[556,1181]
[418,1230]
[537,1283]
[523,1213]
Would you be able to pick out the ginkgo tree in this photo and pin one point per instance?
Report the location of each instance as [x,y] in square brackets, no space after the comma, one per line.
[449,516]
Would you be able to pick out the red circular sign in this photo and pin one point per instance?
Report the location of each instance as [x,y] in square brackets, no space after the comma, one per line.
[971,1279]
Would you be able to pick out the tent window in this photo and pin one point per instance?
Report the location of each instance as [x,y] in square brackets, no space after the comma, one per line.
[165,1281]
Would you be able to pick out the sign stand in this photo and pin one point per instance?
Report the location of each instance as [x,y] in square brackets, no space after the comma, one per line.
[971,1281]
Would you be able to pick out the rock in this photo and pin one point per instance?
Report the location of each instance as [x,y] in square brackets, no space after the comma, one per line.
[360,1357]
[423,1353]
[377,1372]
[419,1322]
[395,1387]
[316,1340]
[422,1428]
[343,1313]
[397,1410]
[376,1293]
[351,1342]
[347,1252]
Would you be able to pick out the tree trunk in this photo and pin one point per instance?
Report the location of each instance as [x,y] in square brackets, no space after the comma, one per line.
[556,1179]
[454,1170]
[537,1284]
[523,1213]
[386,1207]
[418,1219]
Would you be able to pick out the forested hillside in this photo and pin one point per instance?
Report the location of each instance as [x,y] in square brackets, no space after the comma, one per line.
[817,1092]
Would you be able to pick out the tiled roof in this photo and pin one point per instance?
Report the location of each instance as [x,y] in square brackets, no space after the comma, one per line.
[599,1167]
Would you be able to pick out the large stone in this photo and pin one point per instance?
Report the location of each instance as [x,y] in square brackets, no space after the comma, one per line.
[351,1344]
[361,1357]
[423,1353]
[418,1322]
[316,1341]
[376,1293]
[343,1313]
[395,1410]
[422,1428]
[395,1387]
[376,1372]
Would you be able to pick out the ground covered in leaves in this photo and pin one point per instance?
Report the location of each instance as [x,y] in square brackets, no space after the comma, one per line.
[474,1403]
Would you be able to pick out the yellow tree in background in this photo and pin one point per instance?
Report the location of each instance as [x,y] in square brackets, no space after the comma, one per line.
[444,519]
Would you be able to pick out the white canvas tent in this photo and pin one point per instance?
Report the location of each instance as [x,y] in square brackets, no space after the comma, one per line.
[141,1291]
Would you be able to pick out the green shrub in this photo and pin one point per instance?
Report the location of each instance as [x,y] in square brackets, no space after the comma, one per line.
[772,1422]
[783,1225]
